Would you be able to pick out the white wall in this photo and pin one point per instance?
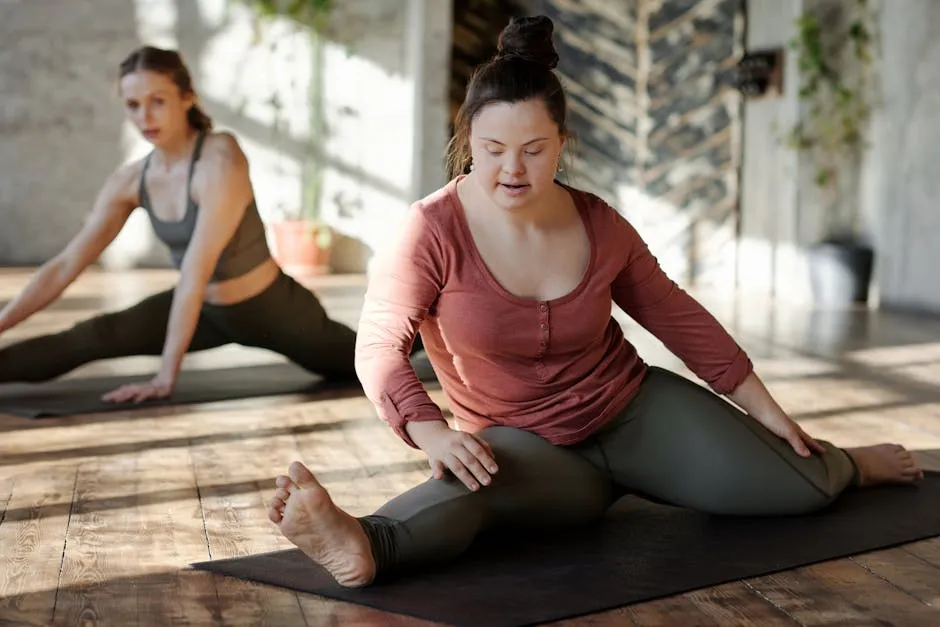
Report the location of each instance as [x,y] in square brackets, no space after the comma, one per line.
[60,132]
[770,257]
[902,175]
[61,128]
[387,117]
[899,193]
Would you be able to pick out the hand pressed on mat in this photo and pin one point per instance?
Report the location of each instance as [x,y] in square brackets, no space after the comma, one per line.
[156,388]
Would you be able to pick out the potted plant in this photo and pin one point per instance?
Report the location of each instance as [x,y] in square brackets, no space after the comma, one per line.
[302,240]
[834,44]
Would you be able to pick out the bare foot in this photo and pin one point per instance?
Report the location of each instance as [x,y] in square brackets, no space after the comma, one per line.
[885,463]
[307,516]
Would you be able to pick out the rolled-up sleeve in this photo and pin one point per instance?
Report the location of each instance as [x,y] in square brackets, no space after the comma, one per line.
[406,282]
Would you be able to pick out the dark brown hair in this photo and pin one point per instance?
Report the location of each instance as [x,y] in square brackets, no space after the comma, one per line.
[170,64]
[520,70]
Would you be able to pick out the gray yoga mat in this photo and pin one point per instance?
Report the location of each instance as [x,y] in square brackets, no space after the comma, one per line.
[639,552]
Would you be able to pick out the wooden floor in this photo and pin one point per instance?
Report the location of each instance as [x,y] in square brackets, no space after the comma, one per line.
[100,514]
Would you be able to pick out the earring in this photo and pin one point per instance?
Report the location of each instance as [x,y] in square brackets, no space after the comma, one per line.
[471,166]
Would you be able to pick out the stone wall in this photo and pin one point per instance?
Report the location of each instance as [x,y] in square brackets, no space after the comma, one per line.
[653,112]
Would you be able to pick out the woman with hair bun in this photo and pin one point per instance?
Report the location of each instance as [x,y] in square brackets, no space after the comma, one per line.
[509,276]
[195,188]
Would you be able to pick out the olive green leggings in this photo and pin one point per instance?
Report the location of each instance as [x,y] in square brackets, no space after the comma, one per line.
[285,318]
[676,443]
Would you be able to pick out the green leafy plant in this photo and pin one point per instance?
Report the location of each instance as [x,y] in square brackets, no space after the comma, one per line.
[834,58]
[313,16]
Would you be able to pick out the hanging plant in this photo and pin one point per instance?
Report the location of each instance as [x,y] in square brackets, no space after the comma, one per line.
[312,16]
[834,59]
[311,13]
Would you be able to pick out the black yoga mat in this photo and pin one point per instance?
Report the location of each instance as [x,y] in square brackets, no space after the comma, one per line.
[639,552]
[67,397]
[82,396]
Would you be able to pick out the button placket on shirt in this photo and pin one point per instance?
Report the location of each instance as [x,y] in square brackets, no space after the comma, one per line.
[544,334]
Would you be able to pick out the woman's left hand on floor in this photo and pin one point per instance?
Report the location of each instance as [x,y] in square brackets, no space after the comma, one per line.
[158,387]
[784,426]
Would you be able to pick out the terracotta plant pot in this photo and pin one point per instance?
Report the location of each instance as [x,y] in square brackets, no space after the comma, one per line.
[296,248]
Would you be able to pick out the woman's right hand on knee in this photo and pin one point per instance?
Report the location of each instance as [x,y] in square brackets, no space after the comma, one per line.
[469,457]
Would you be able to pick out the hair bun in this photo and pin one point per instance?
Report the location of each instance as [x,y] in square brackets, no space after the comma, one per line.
[529,38]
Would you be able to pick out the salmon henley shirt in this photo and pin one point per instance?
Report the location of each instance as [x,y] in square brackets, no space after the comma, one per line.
[559,368]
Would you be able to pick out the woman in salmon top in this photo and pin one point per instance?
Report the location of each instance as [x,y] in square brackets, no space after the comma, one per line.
[509,276]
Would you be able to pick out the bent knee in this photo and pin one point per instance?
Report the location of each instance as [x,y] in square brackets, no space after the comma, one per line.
[561,474]
[523,446]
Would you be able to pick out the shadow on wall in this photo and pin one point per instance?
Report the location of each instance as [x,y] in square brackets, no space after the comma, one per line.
[63,130]
[60,128]
[342,142]
[653,112]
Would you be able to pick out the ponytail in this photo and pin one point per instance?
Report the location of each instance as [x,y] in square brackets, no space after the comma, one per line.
[198,118]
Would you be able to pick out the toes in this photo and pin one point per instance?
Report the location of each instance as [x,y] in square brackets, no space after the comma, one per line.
[282,481]
[282,493]
[276,510]
[911,474]
[302,476]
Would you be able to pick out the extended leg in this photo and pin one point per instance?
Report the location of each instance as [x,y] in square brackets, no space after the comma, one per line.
[538,485]
[288,319]
[137,330]
[680,443]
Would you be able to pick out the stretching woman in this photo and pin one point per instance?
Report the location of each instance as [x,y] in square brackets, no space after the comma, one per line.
[196,190]
[509,276]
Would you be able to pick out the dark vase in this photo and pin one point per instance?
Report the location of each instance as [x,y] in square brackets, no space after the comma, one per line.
[840,272]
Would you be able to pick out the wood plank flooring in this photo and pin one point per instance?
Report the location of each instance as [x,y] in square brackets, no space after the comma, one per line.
[100,514]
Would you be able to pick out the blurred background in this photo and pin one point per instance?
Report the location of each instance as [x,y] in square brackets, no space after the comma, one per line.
[782,148]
